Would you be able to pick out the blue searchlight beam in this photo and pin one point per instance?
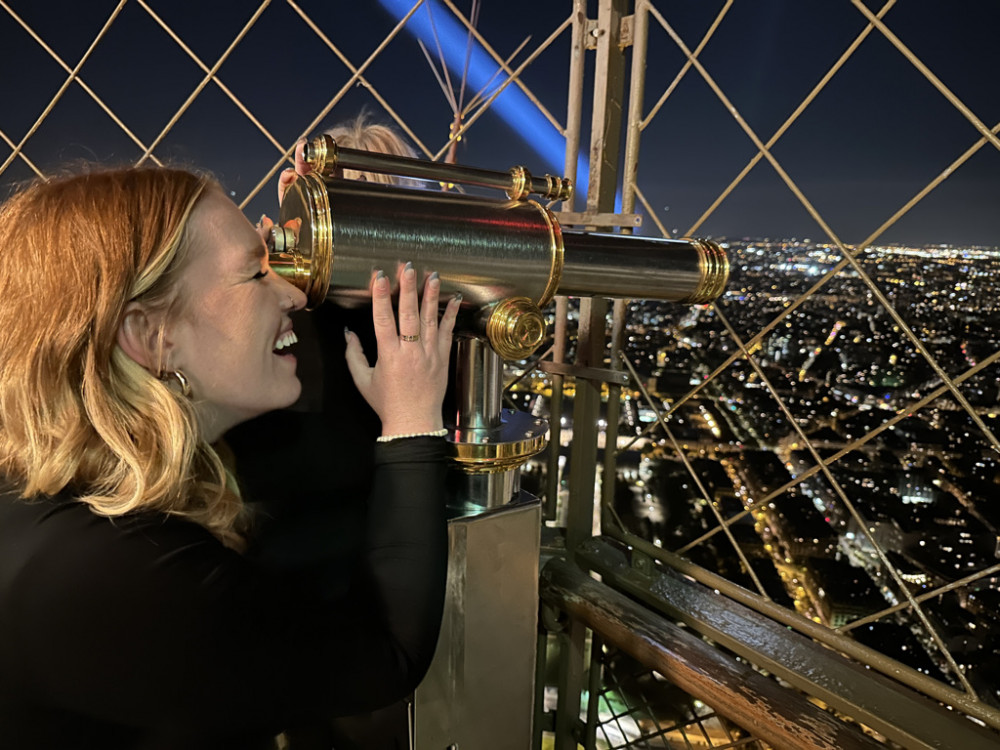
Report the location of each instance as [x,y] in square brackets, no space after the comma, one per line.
[511,104]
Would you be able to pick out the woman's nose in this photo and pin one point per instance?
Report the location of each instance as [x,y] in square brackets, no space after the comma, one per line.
[292,298]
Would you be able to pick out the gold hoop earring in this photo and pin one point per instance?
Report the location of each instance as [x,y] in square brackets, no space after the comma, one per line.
[181,379]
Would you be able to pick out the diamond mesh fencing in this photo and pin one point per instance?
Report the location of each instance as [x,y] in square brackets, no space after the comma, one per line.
[639,708]
[824,435]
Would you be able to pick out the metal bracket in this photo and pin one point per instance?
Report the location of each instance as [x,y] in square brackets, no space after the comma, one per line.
[625,32]
[598,374]
[599,220]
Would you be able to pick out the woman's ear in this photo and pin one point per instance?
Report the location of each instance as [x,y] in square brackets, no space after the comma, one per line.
[140,336]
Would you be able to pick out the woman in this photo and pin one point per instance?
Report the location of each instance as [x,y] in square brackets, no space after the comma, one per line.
[138,322]
[362,134]
[311,528]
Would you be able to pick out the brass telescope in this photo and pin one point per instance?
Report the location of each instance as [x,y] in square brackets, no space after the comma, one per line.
[507,258]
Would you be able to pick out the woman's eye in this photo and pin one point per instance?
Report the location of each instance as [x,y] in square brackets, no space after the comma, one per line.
[260,274]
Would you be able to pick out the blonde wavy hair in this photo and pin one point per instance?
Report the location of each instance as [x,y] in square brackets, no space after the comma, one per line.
[363,135]
[76,413]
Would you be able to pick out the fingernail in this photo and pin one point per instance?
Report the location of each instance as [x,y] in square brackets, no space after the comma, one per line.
[434,276]
[407,267]
[347,334]
[379,275]
[457,297]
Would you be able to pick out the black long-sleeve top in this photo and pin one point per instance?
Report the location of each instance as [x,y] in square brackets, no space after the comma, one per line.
[144,632]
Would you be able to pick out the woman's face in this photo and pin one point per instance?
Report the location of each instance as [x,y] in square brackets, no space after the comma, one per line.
[231,334]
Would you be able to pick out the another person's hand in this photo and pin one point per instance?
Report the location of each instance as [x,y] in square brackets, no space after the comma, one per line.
[407,384]
[288,176]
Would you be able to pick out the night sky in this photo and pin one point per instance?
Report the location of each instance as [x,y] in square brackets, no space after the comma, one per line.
[875,136]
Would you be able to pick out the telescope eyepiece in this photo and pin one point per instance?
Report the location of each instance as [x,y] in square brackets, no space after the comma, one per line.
[282,240]
[321,154]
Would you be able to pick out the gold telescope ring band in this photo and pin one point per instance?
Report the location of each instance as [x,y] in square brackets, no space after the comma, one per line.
[404,337]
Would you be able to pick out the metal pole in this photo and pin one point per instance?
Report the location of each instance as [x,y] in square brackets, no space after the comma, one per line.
[637,91]
[594,690]
[609,469]
[478,383]
[604,145]
[541,661]
[574,118]
[591,348]
[574,109]
[637,87]
[552,483]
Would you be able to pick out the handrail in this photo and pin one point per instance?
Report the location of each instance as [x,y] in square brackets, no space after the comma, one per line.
[820,633]
[778,716]
[904,716]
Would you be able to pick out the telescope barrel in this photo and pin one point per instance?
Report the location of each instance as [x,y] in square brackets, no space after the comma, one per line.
[326,158]
[489,251]
[630,267]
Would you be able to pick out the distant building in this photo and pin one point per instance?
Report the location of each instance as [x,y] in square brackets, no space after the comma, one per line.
[842,592]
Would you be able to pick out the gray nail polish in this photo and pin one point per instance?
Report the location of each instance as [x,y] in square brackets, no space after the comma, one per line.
[434,276]
[380,274]
[408,266]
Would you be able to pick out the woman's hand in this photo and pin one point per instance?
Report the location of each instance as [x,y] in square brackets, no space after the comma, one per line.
[407,384]
[288,176]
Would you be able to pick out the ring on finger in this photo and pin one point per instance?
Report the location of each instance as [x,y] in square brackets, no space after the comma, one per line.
[404,337]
